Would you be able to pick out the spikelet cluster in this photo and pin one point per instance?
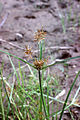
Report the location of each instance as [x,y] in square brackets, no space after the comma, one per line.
[39,35]
[39,64]
[28,51]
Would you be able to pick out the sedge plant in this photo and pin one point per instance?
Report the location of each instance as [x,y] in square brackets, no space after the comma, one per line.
[39,64]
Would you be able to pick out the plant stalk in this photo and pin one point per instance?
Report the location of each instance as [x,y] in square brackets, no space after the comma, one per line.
[42,93]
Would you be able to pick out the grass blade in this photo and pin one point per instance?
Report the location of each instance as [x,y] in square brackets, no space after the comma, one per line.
[21,76]
[48,95]
[69,94]
[1,102]
[59,62]
[18,58]
[14,70]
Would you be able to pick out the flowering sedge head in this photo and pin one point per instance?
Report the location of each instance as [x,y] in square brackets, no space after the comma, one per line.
[39,64]
[28,51]
[39,35]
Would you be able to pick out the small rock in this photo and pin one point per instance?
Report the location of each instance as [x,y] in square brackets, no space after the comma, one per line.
[18,37]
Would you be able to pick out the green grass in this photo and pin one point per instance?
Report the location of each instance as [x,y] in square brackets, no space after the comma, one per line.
[30,96]
[23,100]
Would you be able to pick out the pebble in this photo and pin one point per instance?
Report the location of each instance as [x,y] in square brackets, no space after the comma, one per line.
[18,36]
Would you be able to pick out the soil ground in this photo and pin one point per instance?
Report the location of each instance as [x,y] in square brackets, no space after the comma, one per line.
[61,22]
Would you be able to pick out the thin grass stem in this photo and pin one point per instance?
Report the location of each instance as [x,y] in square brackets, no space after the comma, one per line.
[42,93]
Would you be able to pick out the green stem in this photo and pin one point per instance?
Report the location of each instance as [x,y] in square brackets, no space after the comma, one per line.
[38,51]
[41,50]
[42,93]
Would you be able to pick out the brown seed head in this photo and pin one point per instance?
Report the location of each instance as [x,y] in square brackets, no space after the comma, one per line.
[39,35]
[28,51]
[38,64]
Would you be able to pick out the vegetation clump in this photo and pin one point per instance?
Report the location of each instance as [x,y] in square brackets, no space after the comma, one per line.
[27,100]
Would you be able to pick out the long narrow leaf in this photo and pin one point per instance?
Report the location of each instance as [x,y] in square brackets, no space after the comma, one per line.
[69,95]
[1,102]
[57,61]
[18,58]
